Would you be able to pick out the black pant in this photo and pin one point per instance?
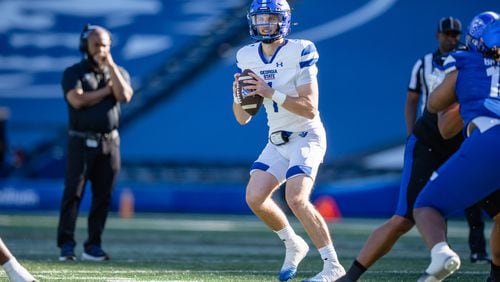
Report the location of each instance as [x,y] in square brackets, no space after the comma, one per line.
[100,165]
[477,242]
[419,163]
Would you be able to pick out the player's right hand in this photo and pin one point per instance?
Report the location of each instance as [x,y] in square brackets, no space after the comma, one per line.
[236,98]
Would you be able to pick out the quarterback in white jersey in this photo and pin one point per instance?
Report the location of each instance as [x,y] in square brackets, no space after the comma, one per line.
[285,76]
[292,65]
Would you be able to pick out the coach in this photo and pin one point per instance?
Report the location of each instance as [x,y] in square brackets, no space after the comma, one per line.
[93,89]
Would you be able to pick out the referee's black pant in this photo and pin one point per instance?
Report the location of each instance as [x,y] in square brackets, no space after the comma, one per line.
[100,165]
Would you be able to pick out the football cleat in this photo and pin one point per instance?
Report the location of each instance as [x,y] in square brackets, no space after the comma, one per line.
[295,253]
[328,274]
[449,264]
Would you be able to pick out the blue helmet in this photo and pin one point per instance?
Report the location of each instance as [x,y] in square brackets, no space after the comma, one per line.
[491,36]
[276,7]
[476,27]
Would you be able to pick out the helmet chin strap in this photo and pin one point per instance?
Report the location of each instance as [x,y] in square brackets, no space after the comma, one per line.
[271,40]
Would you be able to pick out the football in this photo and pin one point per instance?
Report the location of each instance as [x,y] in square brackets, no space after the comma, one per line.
[251,104]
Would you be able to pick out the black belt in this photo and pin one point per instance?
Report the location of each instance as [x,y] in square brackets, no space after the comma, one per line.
[93,135]
[281,137]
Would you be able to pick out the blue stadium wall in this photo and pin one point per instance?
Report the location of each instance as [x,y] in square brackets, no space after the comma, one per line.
[365,64]
[366,55]
[355,198]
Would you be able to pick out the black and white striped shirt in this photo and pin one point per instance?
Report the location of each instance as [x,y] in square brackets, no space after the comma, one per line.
[420,73]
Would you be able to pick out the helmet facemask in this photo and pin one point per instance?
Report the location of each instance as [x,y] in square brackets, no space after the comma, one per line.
[266,26]
[491,40]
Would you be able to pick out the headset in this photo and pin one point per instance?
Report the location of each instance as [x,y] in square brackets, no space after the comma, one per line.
[84,36]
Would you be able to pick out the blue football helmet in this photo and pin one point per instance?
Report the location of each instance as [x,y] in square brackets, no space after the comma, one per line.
[255,18]
[476,28]
[491,36]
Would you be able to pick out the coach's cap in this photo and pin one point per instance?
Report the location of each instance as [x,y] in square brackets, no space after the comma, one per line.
[448,24]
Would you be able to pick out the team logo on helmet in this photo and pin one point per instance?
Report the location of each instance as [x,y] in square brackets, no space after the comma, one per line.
[476,28]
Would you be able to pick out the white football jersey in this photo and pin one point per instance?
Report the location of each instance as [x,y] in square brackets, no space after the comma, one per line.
[293,65]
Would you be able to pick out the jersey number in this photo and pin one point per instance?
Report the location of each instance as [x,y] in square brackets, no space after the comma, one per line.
[275,105]
[494,72]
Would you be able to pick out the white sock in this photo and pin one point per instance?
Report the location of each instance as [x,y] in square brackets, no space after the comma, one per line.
[16,271]
[286,235]
[11,265]
[440,247]
[328,254]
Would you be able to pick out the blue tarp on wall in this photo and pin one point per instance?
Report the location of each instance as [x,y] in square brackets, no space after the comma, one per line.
[353,200]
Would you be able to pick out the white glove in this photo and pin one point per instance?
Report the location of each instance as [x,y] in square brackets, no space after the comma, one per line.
[434,79]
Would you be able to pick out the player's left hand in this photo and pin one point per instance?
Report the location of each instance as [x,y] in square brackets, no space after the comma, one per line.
[259,87]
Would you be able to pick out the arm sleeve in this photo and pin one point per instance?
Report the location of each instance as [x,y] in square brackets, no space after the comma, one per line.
[307,64]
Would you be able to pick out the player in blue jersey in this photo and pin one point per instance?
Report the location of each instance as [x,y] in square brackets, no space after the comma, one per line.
[286,76]
[469,176]
[425,151]
[15,271]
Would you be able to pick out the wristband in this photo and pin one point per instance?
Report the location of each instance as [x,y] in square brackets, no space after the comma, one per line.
[279,97]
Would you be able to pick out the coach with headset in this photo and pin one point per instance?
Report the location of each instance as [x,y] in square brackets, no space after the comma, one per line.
[93,89]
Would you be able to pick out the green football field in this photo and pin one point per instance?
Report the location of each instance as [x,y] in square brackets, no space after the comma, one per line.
[165,247]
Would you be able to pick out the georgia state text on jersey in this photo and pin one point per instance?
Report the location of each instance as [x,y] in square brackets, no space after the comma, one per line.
[477,86]
[292,65]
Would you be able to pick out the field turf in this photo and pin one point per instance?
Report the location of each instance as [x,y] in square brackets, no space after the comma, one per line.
[166,247]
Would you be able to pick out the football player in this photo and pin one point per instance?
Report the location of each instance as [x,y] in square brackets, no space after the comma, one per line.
[285,76]
[472,80]
[427,148]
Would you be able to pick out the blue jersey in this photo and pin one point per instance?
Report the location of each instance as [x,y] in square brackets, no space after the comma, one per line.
[477,86]
[467,177]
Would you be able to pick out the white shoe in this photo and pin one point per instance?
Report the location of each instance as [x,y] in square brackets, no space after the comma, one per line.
[295,253]
[328,274]
[20,275]
[442,265]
